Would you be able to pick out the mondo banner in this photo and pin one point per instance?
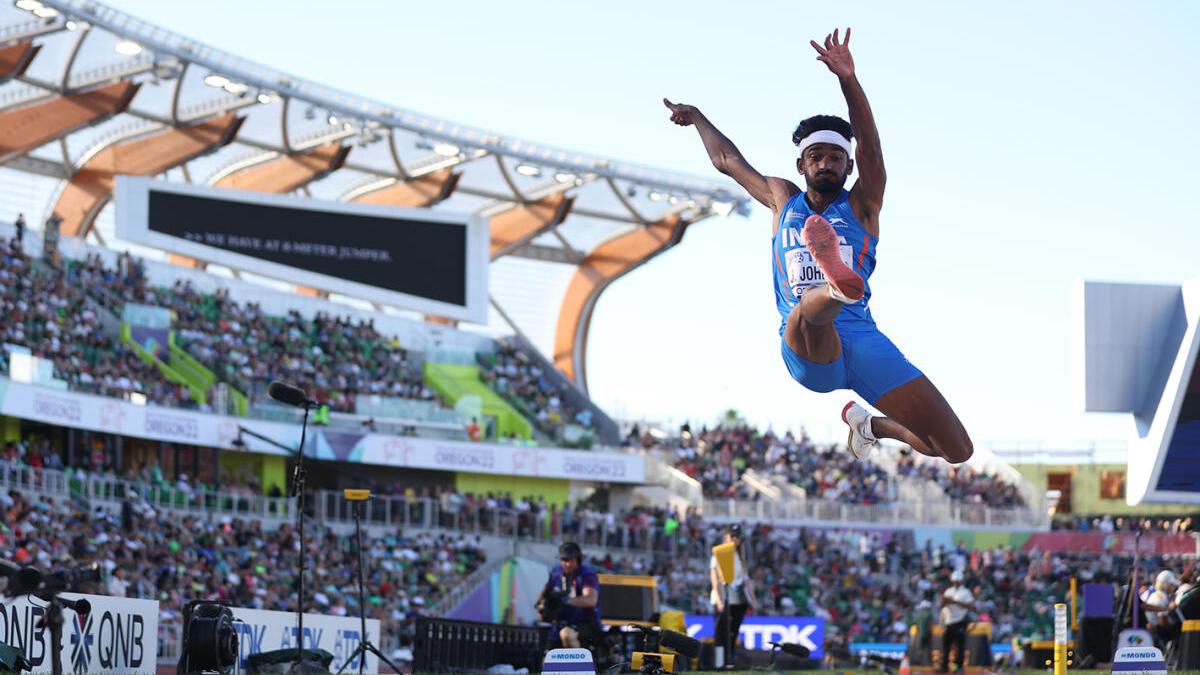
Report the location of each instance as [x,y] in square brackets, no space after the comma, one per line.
[263,631]
[119,635]
[758,632]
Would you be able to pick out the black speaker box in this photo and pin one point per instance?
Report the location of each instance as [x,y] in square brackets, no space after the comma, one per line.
[1095,639]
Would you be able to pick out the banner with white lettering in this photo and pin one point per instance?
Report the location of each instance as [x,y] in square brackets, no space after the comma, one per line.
[260,630]
[758,632]
[115,416]
[119,635]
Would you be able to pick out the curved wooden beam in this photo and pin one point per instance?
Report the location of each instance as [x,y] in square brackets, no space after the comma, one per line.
[15,59]
[417,192]
[518,226]
[290,172]
[29,127]
[605,264]
[92,185]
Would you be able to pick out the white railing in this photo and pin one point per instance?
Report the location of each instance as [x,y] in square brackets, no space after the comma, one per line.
[357,422]
[391,512]
[170,641]
[160,496]
[675,481]
[181,500]
[28,479]
[890,515]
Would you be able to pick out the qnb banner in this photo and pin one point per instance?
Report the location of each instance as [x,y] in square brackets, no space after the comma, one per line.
[119,635]
[260,630]
[115,416]
[758,632]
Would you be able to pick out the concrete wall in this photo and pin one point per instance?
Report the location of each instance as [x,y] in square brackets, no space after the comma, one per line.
[1085,490]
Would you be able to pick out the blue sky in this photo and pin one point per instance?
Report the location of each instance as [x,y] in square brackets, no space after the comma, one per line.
[1028,144]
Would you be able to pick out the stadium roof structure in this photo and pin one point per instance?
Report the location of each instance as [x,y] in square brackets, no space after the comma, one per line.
[88,92]
[1138,351]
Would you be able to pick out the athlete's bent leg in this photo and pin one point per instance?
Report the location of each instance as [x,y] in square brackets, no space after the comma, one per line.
[810,332]
[916,413]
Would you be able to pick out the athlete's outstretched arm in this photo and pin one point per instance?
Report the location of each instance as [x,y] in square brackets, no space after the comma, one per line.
[869,156]
[724,154]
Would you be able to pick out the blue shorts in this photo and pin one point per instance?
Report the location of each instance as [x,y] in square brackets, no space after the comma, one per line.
[870,365]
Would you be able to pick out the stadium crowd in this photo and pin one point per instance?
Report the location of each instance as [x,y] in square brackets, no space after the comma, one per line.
[513,374]
[719,457]
[1109,523]
[334,358]
[961,482]
[870,587]
[144,553]
[45,311]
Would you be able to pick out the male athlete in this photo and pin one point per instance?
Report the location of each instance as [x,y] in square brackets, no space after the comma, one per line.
[823,250]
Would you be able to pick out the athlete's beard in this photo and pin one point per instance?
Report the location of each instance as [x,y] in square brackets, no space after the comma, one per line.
[825,184]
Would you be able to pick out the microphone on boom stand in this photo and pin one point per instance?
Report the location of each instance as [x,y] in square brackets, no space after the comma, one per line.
[295,396]
[286,393]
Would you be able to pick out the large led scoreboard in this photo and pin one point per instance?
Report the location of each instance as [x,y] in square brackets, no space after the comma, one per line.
[1137,348]
[433,262]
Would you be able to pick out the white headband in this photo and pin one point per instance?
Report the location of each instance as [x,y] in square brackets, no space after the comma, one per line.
[823,136]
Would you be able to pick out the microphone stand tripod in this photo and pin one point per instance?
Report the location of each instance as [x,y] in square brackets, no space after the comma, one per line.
[364,645]
[54,621]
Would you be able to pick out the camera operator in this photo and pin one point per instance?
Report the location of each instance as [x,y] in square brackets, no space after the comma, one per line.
[571,600]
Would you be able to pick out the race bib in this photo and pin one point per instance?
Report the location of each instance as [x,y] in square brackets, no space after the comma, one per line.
[803,271]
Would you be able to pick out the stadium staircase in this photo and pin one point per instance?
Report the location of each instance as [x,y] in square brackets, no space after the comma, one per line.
[197,374]
[197,391]
[179,368]
[454,381]
[608,432]
[453,597]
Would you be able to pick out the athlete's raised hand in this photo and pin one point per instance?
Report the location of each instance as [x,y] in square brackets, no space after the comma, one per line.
[683,114]
[835,54]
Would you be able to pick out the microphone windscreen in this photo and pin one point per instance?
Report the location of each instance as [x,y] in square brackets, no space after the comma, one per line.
[81,606]
[9,568]
[687,646]
[29,579]
[286,393]
[794,649]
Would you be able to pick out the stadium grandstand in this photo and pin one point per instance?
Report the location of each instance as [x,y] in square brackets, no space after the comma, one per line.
[146,451]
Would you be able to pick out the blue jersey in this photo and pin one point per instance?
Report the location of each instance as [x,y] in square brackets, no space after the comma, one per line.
[794,267]
[572,587]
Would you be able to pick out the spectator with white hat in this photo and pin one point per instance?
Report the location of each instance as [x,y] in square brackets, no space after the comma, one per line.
[957,603]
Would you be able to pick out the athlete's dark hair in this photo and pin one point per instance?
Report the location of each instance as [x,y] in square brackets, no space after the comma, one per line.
[822,123]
